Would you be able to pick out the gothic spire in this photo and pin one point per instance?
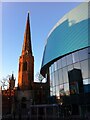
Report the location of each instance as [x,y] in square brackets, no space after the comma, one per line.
[27,48]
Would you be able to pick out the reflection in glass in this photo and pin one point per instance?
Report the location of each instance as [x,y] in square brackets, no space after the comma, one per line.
[85,82]
[54,91]
[69,59]
[50,70]
[60,76]
[89,81]
[83,54]
[56,78]
[65,75]
[75,57]
[74,87]
[77,65]
[51,91]
[57,90]
[55,66]
[53,81]
[59,64]
[59,73]
[70,67]
[66,88]
[87,88]
[61,91]
[63,61]
[50,80]
[84,66]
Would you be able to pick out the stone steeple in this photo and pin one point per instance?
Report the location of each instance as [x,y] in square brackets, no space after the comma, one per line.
[27,48]
[26,61]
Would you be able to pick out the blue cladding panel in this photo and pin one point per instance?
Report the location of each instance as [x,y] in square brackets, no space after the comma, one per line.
[87,88]
[65,39]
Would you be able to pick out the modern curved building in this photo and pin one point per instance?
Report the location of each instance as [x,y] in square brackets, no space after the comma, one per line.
[66,59]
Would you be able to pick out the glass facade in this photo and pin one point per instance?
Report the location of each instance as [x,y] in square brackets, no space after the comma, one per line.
[69,73]
[66,37]
[67,57]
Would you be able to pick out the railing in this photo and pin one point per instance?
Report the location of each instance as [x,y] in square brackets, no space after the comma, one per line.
[48,112]
[52,112]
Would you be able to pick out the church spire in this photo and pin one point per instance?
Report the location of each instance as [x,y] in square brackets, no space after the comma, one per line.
[27,48]
[26,61]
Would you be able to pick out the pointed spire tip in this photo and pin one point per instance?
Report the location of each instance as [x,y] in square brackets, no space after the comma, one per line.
[28,12]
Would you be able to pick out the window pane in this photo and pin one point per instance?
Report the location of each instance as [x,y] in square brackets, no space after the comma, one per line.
[65,74]
[50,69]
[60,76]
[89,81]
[52,76]
[55,66]
[66,88]
[63,61]
[56,77]
[77,65]
[59,63]
[51,80]
[57,90]
[61,91]
[83,54]
[85,81]
[74,87]
[51,91]
[69,59]
[54,91]
[70,67]
[87,88]
[84,66]
[75,57]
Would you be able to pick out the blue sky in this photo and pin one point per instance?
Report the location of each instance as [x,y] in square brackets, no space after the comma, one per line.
[43,16]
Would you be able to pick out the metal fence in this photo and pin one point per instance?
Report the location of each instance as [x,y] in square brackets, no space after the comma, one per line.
[47,112]
[53,112]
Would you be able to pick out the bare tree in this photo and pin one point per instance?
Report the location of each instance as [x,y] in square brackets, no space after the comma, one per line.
[39,77]
[5,82]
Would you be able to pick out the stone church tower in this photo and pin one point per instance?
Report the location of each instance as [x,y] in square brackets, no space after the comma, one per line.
[28,90]
[26,61]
